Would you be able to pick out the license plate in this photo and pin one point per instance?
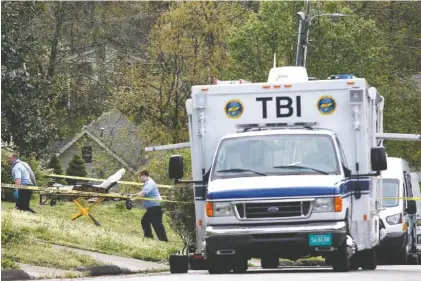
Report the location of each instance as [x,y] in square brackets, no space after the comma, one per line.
[315,240]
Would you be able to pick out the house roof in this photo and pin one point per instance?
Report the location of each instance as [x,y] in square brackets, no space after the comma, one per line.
[116,134]
[99,142]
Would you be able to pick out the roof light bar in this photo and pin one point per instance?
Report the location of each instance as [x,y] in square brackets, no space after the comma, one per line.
[341,76]
[249,126]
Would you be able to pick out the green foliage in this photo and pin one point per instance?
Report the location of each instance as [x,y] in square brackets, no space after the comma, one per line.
[6,169]
[9,233]
[76,168]
[272,29]
[8,264]
[182,215]
[55,164]
[348,45]
[352,44]
[402,114]
[55,226]
[188,46]
[26,100]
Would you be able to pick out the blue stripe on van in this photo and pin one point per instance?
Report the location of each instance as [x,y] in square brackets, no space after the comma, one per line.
[344,188]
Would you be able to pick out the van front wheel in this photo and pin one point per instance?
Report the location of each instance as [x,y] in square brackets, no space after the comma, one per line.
[340,260]
[217,264]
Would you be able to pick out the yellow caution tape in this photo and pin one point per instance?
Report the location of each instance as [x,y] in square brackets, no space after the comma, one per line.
[76,193]
[402,198]
[94,179]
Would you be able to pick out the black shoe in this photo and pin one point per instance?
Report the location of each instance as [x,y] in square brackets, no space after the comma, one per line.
[30,210]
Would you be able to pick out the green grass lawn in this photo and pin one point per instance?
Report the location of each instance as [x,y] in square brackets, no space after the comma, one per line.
[120,234]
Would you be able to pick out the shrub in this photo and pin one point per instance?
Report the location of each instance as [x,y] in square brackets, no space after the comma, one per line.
[182,215]
[76,168]
[57,169]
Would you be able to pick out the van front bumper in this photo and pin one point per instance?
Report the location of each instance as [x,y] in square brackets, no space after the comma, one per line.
[284,240]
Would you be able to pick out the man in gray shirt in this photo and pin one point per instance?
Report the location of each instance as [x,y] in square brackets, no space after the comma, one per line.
[22,175]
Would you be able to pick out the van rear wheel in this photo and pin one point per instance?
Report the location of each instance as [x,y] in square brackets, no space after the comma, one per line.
[369,259]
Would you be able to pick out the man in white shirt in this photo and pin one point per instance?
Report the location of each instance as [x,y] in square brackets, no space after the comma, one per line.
[22,175]
[153,214]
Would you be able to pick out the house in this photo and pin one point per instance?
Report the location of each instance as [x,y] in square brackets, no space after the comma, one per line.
[107,144]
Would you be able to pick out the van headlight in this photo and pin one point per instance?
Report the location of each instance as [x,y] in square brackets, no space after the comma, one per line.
[321,205]
[394,219]
[219,209]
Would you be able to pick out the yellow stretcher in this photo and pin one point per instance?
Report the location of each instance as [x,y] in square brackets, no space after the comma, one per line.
[99,192]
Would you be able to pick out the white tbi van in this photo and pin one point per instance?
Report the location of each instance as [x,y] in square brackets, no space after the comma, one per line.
[400,244]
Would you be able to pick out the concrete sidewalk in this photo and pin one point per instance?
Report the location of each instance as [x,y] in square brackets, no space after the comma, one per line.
[113,265]
[127,265]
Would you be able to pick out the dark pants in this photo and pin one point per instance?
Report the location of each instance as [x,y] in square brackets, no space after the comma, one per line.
[24,197]
[153,216]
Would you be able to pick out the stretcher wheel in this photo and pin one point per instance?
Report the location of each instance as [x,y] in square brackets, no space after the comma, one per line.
[53,202]
[129,204]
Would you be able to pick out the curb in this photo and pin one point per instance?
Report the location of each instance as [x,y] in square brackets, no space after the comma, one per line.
[14,274]
[98,270]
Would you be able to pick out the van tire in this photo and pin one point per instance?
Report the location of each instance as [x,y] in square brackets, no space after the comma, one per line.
[217,265]
[369,259]
[240,265]
[269,262]
[355,263]
[340,260]
[413,260]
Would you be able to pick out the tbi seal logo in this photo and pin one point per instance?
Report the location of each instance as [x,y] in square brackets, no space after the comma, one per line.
[234,109]
[326,105]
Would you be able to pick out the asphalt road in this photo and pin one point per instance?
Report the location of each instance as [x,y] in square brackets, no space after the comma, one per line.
[382,273]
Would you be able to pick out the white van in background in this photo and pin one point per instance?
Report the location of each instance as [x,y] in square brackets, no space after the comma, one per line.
[416,188]
[399,245]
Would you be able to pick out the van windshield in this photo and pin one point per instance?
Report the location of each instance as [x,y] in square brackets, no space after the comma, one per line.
[390,189]
[266,155]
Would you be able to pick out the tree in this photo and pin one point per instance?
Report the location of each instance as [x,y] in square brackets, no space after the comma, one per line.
[188,46]
[400,24]
[336,46]
[352,44]
[26,102]
[55,164]
[76,168]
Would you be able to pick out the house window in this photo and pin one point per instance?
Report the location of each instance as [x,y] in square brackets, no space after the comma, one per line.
[87,154]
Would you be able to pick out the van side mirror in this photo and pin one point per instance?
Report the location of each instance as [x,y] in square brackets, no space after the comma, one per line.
[378,159]
[175,167]
[411,208]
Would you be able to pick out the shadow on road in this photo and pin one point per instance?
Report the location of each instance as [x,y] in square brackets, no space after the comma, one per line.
[288,270]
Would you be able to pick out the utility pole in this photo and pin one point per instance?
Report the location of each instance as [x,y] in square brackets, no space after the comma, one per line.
[302,28]
[307,30]
[305,19]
